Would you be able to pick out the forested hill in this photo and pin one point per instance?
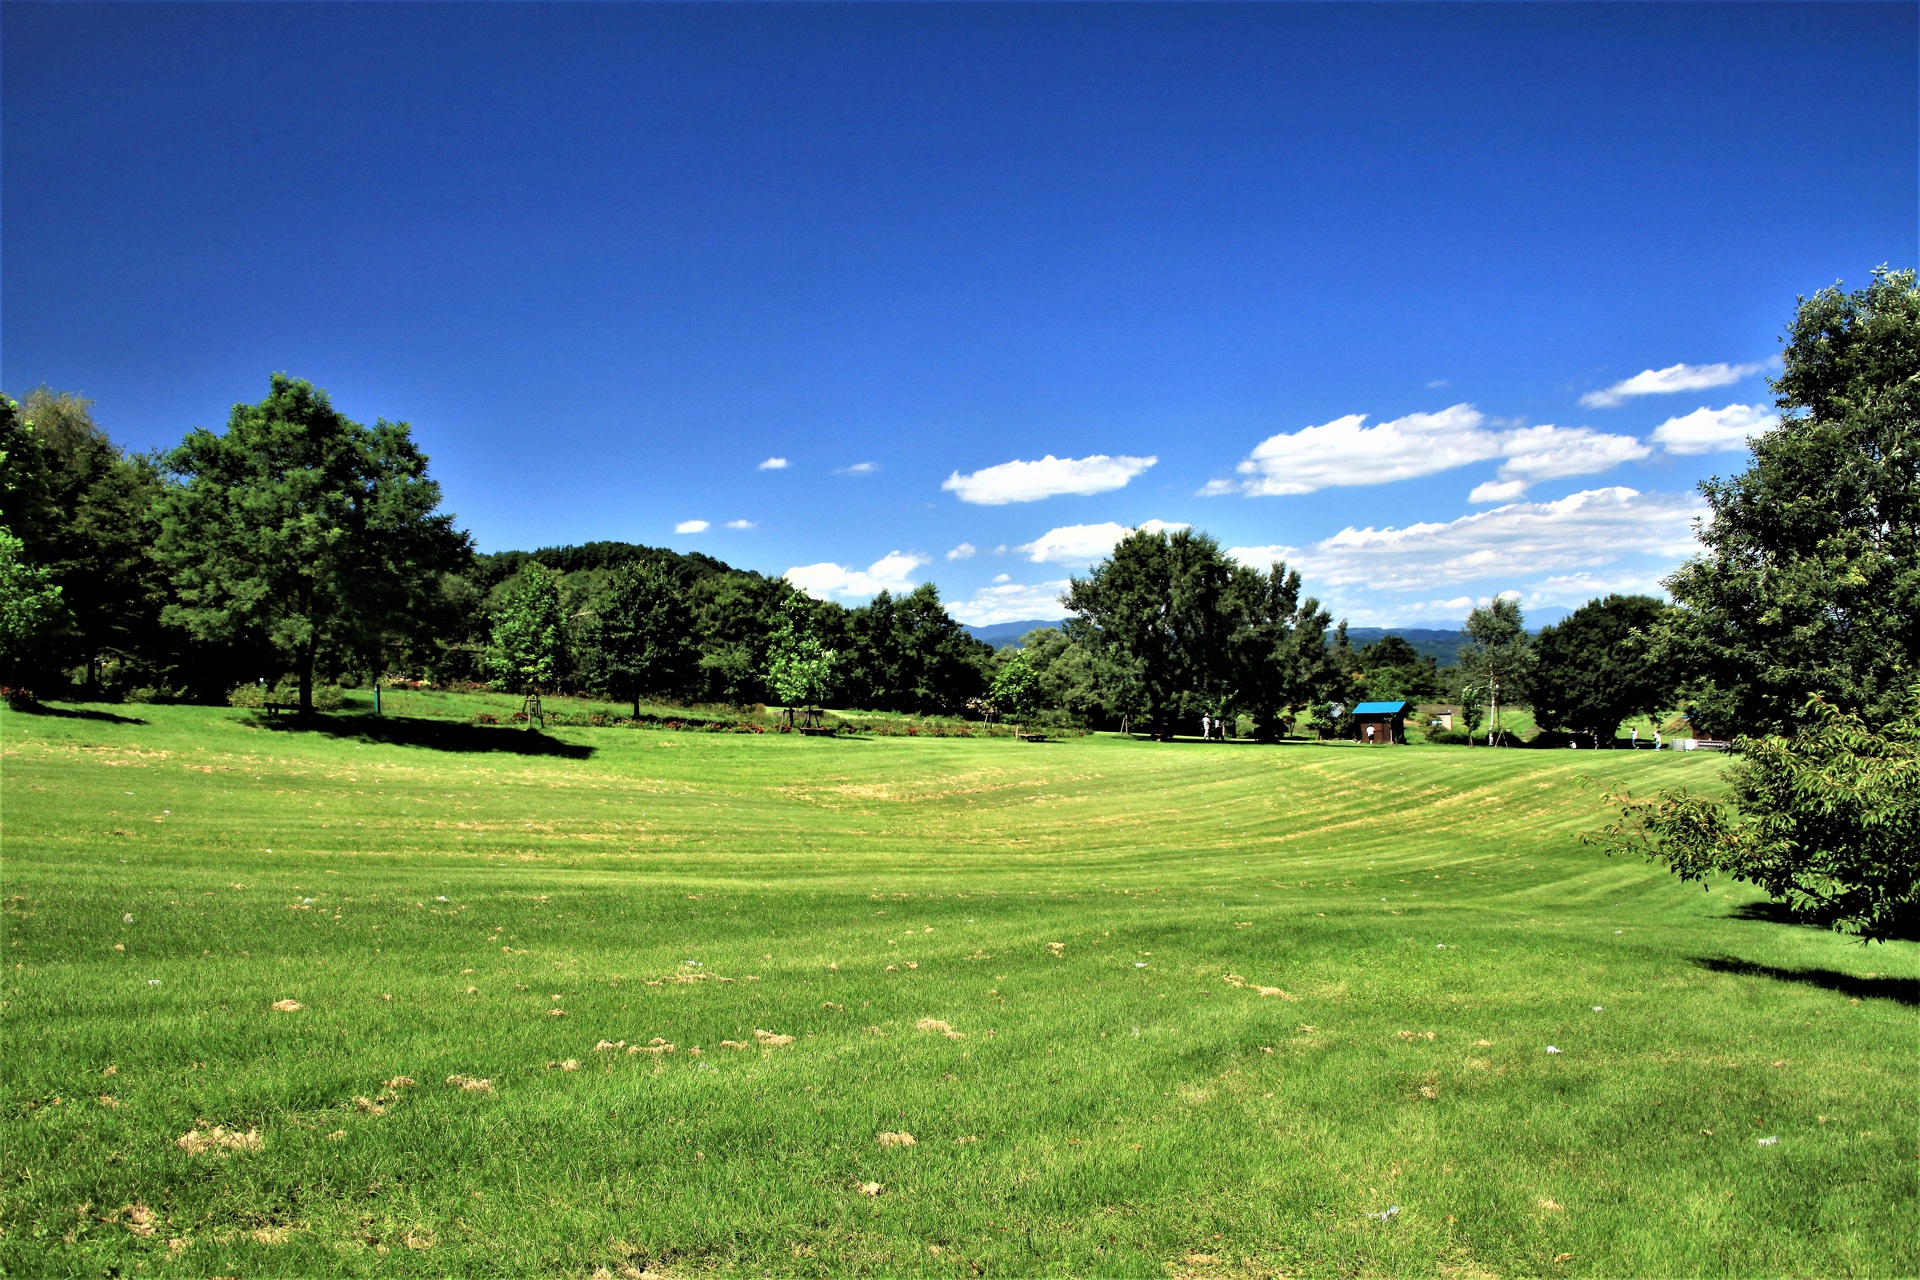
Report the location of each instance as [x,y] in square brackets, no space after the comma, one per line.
[1442,646]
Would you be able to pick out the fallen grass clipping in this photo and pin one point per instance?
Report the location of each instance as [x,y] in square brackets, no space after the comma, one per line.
[348,998]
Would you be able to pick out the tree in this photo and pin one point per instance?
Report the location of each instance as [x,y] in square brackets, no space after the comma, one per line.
[1593,670]
[30,604]
[1394,671]
[1496,659]
[1826,821]
[317,534]
[800,669]
[1277,648]
[641,633]
[529,634]
[1016,689]
[1810,580]
[1156,608]
[99,542]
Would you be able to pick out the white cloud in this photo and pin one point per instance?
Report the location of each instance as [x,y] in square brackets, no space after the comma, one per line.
[1586,530]
[965,551]
[999,578]
[772,464]
[1714,430]
[741,524]
[1049,477]
[1012,602]
[1084,543]
[894,572]
[1438,383]
[858,469]
[1498,491]
[1348,452]
[691,526]
[1577,588]
[1550,453]
[1675,377]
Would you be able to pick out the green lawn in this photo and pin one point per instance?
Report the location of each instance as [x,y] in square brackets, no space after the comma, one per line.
[1210,1007]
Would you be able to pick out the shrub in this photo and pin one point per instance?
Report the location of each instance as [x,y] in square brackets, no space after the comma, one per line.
[1826,821]
[326,697]
[247,696]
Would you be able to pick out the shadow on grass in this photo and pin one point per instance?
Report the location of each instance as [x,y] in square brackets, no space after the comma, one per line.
[74,713]
[1899,990]
[435,735]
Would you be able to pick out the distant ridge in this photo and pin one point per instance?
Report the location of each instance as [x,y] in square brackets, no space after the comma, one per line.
[1002,634]
[1441,643]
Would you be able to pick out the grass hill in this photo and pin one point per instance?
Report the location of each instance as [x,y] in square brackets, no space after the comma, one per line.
[430,997]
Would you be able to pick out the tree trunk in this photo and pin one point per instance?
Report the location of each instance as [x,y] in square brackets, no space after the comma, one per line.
[306,678]
[636,706]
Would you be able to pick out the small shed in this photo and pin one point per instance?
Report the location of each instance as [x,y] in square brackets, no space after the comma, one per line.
[1380,722]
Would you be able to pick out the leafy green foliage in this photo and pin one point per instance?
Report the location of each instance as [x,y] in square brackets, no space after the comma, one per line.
[1826,821]
[908,654]
[639,639]
[30,604]
[1594,669]
[1016,689]
[1496,662]
[1810,581]
[529,640]
[800,669]
[1394,671]
[1183,631]
[316,534]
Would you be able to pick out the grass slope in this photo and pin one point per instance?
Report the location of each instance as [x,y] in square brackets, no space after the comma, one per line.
[1211,1007]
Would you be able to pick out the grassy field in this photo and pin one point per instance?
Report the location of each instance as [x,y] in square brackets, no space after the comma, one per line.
[1145,1009]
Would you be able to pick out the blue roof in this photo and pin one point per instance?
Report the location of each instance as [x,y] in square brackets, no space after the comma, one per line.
[1379,708]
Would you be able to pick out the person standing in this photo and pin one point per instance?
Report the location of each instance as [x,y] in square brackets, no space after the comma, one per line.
[1636,737]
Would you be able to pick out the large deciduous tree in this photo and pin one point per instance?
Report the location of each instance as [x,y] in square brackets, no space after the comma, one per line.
[1157,609]
[529,633]
[1593,670]
[1276,648]
[318,534]
[640,638]
[1810,580]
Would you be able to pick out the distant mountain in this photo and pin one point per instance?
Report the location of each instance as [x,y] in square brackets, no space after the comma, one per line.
[1002,634]
[1438,641]
[1441,646]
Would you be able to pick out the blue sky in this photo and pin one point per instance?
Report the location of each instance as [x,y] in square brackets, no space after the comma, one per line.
[610,260]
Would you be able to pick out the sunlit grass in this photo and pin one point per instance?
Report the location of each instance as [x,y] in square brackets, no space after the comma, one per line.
[1207,1008]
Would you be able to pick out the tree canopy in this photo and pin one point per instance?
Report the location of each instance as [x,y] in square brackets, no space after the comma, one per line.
[1826,821]
[1810,578]
[305,528]
[1594,669]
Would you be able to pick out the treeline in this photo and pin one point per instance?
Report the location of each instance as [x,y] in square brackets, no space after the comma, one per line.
[298,545]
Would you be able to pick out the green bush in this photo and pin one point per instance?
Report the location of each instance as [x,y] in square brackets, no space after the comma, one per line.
[1826,821]
[247,696]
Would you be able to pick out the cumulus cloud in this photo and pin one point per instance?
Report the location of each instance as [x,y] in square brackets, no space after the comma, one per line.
[1550,453]
[965,551]
[1012,602]
[858,469]
[691,526]
[1714,430]
[1578,588]
[1048,478]
[740,524]
[1588,530]
[1084,543]
[772,464]
[1498,491]
[895,571]
[1348,452]
[1675,377]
